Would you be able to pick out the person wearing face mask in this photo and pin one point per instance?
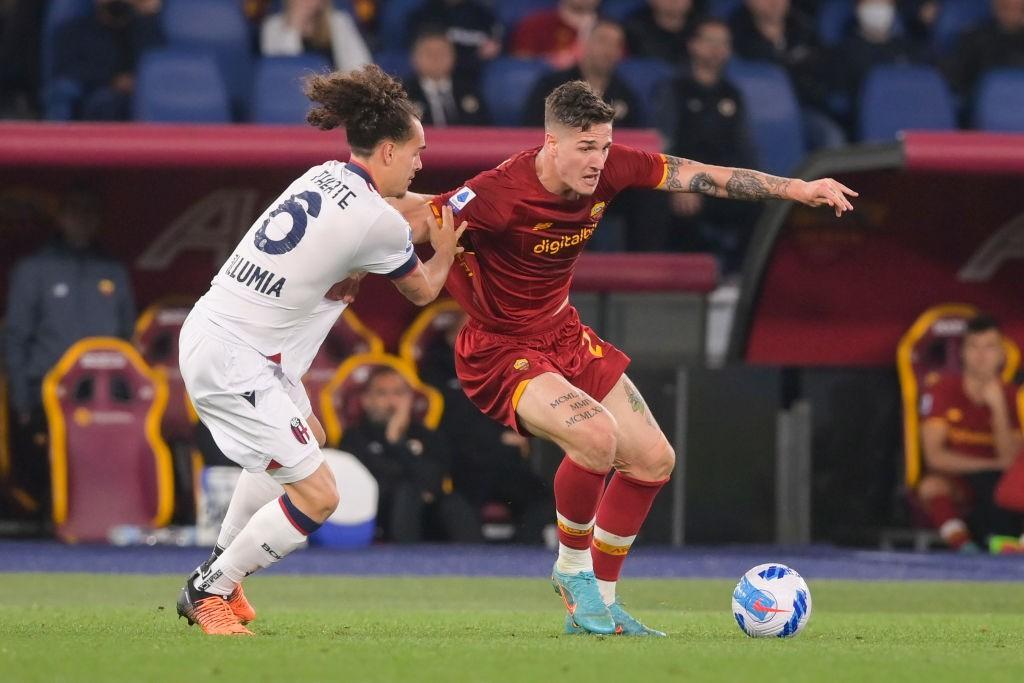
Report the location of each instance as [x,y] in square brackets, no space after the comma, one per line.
[97,53]
[872,41]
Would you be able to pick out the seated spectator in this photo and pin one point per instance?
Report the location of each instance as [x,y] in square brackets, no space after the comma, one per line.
[412,466]
[66,291]
[469,24]
[659,30]
[703,117]
[998,42]
[603,49]
[766,30]
[98,52]
[314,27]
[871,43]
[444,97]
[555,34]
[490,463]
[970,435]
[919,18]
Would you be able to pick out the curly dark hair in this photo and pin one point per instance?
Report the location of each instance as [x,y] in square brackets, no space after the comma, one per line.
[368,103]
[576,105]
[982,322]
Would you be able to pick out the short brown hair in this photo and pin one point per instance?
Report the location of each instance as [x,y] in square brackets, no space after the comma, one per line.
[371,106]
[576,105]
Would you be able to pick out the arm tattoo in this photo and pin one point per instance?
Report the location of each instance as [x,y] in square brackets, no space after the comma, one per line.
[703,183]
[753,185]
[673,182]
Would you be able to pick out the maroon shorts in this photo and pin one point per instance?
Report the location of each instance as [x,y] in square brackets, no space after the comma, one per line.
[494,369]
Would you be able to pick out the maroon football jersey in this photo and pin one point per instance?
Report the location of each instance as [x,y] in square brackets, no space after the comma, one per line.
[970,423]
[522,241]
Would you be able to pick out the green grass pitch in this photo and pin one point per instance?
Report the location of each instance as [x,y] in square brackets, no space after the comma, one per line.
[88,627]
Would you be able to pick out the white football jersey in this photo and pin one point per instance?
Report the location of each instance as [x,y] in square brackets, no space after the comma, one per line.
[328,224]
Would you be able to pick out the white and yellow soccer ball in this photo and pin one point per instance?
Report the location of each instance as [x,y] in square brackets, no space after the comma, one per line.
[771,600]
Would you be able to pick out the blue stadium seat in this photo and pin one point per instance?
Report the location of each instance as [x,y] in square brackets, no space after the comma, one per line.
[391,25]
[955,17]
[507,83]
[999,101]
[723,9]
[217,26]
[394,62]
[277,95]
[773,115]
[179,85]
[620,10]
[645,76]
[902,97]
[511,13]
[58,13]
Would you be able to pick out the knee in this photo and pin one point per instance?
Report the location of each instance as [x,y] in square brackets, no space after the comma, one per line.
[326,501]
[655,465]
[595,447]
[932,486]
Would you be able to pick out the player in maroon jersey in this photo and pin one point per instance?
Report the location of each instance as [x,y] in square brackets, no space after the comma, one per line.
[526,360]
[971,435]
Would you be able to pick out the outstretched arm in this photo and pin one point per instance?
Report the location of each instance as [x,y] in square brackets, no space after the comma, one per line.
[415,208]
[683,175]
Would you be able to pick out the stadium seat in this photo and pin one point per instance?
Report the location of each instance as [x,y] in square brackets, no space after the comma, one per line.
[646,77]
[432,322]
[901,97]
[955,17]
[156,339]
[620,10]
[507,83]
[999,102]
[509,14]
[394,62]
[109,465]
[58,13]
[219,27]
[348,337]
[156,99]
[353,524]
[339,399]
[773,114]
[277,95]
[928,350]
[391,24]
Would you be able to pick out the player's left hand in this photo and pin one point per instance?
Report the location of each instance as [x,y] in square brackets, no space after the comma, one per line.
[345,290]
[825,192]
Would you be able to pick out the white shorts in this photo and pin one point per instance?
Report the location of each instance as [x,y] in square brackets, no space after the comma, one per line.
[256,416]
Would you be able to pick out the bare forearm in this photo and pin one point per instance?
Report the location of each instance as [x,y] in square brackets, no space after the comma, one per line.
[1008,442]
[684,175]
[951,462]
[415,208]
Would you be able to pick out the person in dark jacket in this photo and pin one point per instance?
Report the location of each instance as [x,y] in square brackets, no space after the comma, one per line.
[66,291]
[996,43]
[659,30]
[411,464]
[98,53]
[443,96]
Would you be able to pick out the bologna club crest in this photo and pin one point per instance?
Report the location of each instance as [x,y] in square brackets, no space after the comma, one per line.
[300,430]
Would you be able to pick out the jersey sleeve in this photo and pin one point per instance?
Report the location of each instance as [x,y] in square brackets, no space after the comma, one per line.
[935,401]
[476,202]
[630,167]
[387,248]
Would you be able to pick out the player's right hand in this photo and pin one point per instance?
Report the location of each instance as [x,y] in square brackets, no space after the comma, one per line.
[444,238]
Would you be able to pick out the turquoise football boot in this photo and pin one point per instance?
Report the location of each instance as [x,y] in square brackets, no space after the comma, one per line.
[625,624]
[587,610]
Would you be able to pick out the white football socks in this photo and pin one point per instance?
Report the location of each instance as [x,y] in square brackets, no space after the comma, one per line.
[573,561]
[607,589]
[253,491]
[268,537]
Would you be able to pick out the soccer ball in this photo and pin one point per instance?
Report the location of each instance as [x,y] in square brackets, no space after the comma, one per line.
[771,600]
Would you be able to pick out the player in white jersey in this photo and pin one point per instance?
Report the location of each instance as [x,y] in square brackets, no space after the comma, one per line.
[249,340]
